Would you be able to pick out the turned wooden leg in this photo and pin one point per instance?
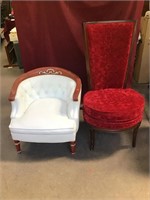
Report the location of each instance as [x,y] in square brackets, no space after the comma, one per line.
[73,147]
[17,144]
[92,139]
[135,131]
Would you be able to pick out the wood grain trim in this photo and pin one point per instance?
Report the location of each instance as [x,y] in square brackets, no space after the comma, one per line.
[133,42]
[87,56]
[47,71]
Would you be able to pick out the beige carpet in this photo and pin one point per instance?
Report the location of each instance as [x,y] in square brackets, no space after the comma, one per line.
[114,171]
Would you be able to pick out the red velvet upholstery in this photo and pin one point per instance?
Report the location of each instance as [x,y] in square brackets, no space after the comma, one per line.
[109,105]
[113,108]
[109,47]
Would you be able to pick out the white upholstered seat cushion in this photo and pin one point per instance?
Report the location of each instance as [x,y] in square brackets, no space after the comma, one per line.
[44,116]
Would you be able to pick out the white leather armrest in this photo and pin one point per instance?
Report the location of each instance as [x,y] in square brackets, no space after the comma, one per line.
[13,109]
[73,109]
[17,108]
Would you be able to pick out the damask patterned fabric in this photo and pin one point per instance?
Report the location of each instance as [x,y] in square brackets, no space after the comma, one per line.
[113,108]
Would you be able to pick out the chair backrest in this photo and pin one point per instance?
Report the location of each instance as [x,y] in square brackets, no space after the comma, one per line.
[47,82]
[108,52]
[45,86]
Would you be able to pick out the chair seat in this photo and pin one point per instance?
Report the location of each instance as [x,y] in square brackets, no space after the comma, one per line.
[113,108]
[50,118]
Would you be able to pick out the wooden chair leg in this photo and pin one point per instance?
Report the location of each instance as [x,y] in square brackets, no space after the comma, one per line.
[17,144]
[73,147]
[135,131]
[92,139]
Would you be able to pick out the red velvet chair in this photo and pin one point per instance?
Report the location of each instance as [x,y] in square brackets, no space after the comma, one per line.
[110,105]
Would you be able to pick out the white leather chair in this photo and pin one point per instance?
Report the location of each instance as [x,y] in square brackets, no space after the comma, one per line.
[45,107]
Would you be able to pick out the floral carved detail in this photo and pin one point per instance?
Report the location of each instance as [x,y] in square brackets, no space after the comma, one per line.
[50,71]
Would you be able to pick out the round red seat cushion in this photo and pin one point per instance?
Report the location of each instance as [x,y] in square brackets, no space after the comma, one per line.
[113,108]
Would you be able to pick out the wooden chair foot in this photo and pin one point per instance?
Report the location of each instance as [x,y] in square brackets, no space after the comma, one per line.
[17,144]
[92,139]
[135,131]
[73,147]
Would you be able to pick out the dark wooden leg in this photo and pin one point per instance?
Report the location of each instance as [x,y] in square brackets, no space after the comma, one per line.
[92,139]
[135,131]
[17,144]
[73,147]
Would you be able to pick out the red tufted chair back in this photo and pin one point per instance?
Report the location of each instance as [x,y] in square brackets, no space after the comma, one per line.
[108,49]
